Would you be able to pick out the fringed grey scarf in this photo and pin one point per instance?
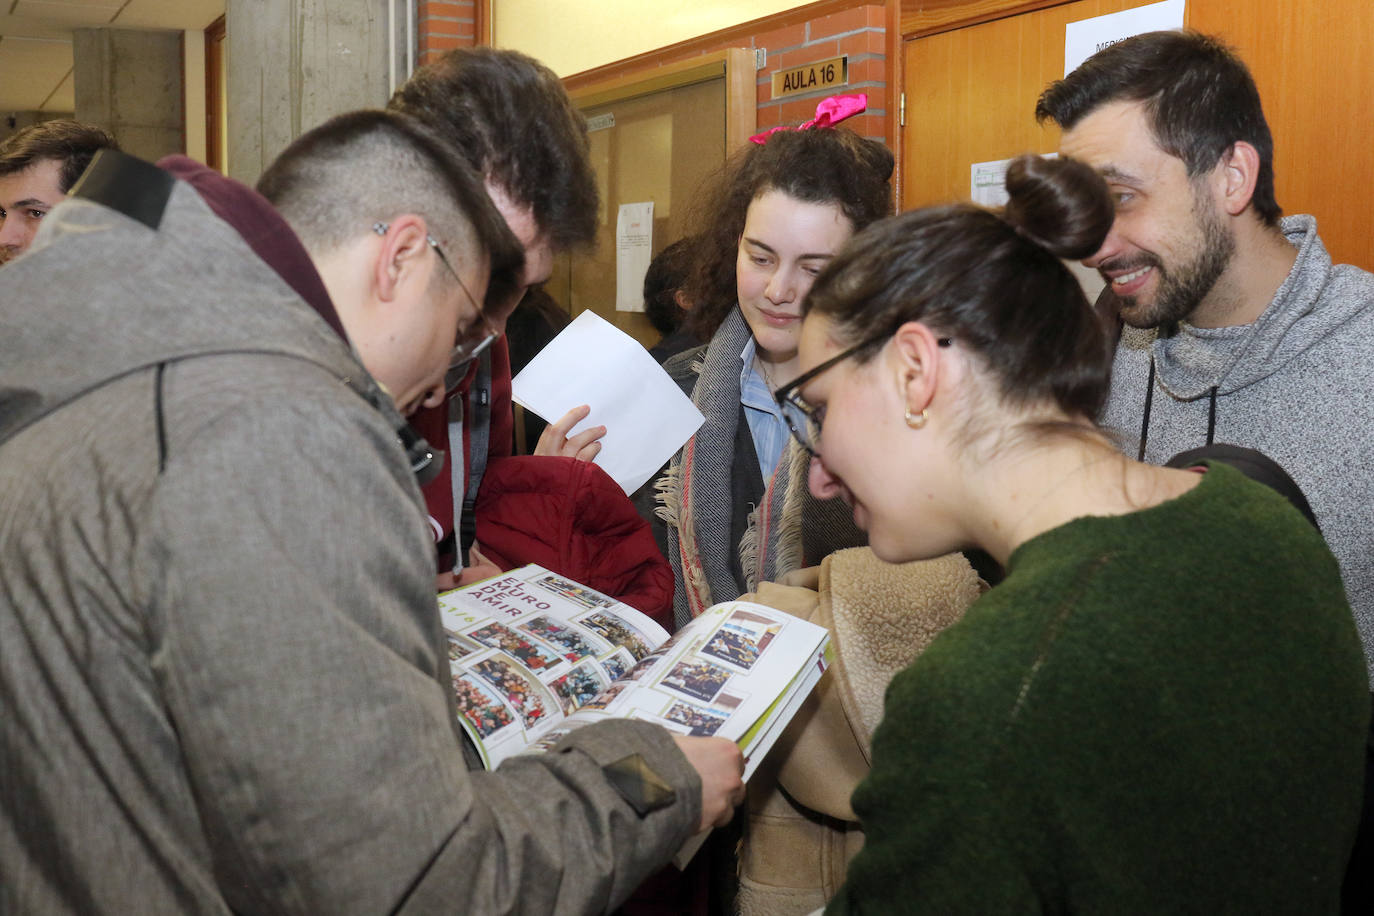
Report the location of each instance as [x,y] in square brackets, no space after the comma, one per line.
[795,529]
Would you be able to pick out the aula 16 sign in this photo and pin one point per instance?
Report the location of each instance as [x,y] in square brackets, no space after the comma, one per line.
[822,74]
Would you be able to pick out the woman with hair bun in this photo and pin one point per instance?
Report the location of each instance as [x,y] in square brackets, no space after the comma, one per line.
[1163,706]
[735,500]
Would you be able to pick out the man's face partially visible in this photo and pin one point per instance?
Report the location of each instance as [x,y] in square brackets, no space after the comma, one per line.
[408,344]
[1169,243]
[538,250]
[25,198]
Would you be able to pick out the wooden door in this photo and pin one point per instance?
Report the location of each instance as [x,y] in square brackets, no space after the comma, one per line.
[1314,65]
[971,92]
[658,130]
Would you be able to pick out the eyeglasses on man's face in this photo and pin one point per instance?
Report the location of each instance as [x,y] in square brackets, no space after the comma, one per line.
[478,336]
[805,420]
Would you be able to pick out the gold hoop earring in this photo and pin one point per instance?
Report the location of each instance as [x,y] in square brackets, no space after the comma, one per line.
[915,421]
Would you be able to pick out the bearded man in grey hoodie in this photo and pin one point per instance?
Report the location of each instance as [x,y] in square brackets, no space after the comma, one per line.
[1238,328]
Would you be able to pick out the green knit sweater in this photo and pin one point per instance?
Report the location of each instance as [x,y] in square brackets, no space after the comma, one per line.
[1161,712]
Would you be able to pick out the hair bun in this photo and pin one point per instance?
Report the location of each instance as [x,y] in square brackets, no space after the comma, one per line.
[1060,204]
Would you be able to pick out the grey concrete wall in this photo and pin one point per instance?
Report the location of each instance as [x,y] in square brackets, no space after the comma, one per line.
[130,82]
[295,63]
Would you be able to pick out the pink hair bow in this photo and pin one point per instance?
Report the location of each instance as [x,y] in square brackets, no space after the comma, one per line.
[829,112]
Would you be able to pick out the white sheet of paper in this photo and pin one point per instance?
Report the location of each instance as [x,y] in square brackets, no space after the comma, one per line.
[646,415]
[1085,38]
[634,244]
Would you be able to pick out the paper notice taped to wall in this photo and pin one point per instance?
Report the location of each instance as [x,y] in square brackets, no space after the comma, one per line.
[634,243]
[1085,38]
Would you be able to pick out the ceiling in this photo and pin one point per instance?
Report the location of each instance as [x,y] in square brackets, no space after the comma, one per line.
[36,41]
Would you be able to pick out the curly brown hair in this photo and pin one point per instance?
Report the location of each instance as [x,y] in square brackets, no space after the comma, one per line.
[818,165]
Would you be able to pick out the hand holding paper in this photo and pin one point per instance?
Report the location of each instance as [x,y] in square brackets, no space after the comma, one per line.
[646,415]
[558,439]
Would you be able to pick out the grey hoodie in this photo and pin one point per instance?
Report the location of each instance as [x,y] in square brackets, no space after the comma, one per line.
[222,678]
[1296,384]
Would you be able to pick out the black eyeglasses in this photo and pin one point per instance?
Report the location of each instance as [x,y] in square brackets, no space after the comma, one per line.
[805,420]
[470,345]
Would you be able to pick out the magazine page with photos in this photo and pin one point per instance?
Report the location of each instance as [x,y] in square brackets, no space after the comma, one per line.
[528,648]
[534,654]
[739,671]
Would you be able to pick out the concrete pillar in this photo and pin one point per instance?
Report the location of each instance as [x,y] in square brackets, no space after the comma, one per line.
[295,63]
[130,83]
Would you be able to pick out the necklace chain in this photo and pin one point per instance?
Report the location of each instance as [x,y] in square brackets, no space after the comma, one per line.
[763,370]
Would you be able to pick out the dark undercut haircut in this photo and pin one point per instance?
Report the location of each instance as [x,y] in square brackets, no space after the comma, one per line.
[828,165]
[511,118]
[334,182]
[69,142]
[1198,95]
[993,281]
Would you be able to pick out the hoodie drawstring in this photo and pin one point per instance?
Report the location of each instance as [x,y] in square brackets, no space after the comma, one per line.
[1211,415]
[161,421]
[1149,399]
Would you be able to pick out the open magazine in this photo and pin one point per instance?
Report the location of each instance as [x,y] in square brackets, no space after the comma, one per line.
[533,655]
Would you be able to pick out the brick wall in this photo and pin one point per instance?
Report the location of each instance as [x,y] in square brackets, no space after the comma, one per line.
[861,33]
[444,25]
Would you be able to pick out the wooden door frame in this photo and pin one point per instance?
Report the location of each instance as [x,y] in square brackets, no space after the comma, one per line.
[920,18]
[214,95]
[606,86]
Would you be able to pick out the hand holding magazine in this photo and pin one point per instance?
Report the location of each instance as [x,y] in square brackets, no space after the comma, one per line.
[534,655]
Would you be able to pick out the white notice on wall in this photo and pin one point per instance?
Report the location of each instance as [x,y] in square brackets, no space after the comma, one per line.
[634,242]
[988,188]
[988,181]
[1085,38]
